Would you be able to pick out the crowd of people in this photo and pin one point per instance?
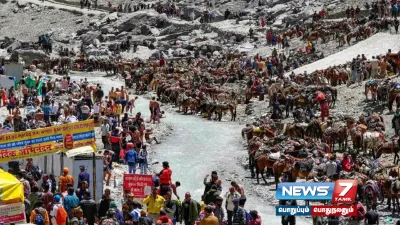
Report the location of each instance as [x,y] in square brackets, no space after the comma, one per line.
[45,101]
[69,201]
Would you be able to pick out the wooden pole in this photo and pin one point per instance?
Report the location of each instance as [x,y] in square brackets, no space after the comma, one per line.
[94,176]
[61,162]
[45,164]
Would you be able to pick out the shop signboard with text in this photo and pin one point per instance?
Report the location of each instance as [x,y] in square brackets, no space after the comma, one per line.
[43,141]
[12,213]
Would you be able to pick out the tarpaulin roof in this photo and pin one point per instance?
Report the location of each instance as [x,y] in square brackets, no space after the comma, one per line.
[12,190]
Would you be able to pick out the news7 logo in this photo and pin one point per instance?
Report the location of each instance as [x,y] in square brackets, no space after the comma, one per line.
[345,191]
[342,191]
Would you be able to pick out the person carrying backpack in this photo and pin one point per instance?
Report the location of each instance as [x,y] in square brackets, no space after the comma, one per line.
[39,214]
[131,158]
[33,169]
[58,214]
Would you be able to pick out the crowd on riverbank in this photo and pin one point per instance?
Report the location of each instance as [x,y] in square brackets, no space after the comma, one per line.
[48,201]
[44,101]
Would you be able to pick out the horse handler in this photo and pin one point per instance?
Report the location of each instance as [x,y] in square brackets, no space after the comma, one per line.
[321,98]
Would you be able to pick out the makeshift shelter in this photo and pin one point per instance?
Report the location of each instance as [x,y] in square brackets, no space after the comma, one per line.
[12,190]
[12,208]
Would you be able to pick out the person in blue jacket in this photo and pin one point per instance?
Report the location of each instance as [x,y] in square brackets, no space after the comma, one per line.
[131,158]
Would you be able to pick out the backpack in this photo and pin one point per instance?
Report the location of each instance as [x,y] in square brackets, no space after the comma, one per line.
[248,216]
[39,220]
[136,214]
[142,221]
[61,216]
[198,206]
[36,173]
[178,208]
[22,126]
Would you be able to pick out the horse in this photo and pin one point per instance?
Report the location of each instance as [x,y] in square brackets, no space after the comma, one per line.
[336,135]
[394,194]
[314,129]
[389,148]
[369,194]
[220,108]
[262,162]
[394,95]
[372,139]
[189,103]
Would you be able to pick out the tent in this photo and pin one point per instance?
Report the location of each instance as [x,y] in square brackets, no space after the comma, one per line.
[12,190]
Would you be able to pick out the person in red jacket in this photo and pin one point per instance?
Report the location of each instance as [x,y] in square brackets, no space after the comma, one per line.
[165,179]
[347,162]
[162,62]
[321,98]
[255,218]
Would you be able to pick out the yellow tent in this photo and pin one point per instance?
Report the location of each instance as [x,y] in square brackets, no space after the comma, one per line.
[11,189]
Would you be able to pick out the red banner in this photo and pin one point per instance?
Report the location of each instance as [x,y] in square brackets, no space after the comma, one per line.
[139,185]
[333,210]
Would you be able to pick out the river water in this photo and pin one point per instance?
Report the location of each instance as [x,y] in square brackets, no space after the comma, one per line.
[197,147]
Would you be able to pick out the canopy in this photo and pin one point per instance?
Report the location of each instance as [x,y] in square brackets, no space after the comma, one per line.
[12,190]
[80,151]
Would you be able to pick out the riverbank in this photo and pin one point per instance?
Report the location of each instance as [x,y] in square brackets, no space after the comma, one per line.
[197,146]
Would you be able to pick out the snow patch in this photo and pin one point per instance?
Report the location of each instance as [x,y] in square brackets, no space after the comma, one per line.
[376,45]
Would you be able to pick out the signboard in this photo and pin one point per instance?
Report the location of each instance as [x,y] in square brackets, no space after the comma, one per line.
[12,213]
[14,70]
[26,144]
[139,185]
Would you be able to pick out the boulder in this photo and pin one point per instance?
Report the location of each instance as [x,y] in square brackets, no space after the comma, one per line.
[82,31]
[14,45]
[239,37]
[145,30]
[78,21]
[89,37]
[28,55]
[106,30]
[184,38]
[122,34]
[110,17]
[22,3]
[107,37]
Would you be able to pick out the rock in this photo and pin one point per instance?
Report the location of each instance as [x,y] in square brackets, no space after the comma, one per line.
[106,30]
[184,38]
[22,3]
[155,31]
[122,34]
[107,37]
[89,37]
[145,30]
[28,55]
[94,22]
[79,21]
[239,37]
[111,17]
[81,31]
[15,10]
[14,45]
